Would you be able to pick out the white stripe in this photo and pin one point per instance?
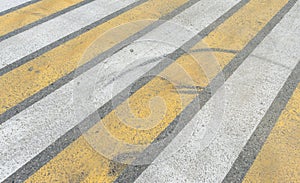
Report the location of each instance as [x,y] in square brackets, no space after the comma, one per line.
[242,100]
[17,47]
[28,133]
[7,4]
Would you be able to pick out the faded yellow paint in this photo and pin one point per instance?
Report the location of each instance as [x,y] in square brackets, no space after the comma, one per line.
[34,12]
[279,158]
[134,124]
[40,72]
[141,126]
[255,15]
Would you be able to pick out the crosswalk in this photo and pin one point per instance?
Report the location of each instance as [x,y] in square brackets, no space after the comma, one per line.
[9,6]
[149,91]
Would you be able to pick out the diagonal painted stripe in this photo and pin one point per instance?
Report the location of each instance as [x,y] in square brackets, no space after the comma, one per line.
[44,37]
[87,147]
[35,14]
[26,134]
[30,78]
[259,136]
[8,6]
[31,13]
[62,70]
[278,159]
[286,47]
[247,94]
[81,148]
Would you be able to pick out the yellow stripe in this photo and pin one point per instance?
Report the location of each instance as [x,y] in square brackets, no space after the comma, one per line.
[279,158]
[135,123]
[32,13]
[33,76]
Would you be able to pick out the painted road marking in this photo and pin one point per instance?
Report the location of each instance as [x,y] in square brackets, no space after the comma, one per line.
[285,50]
[247,94]
[250,151]
[42,71]
[26,133]
[85,145]
[44,37]
[8,6]
[278,160]
[32,13]
[33,16]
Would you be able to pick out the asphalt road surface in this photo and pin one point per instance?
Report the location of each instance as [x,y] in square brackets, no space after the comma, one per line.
[150,91]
